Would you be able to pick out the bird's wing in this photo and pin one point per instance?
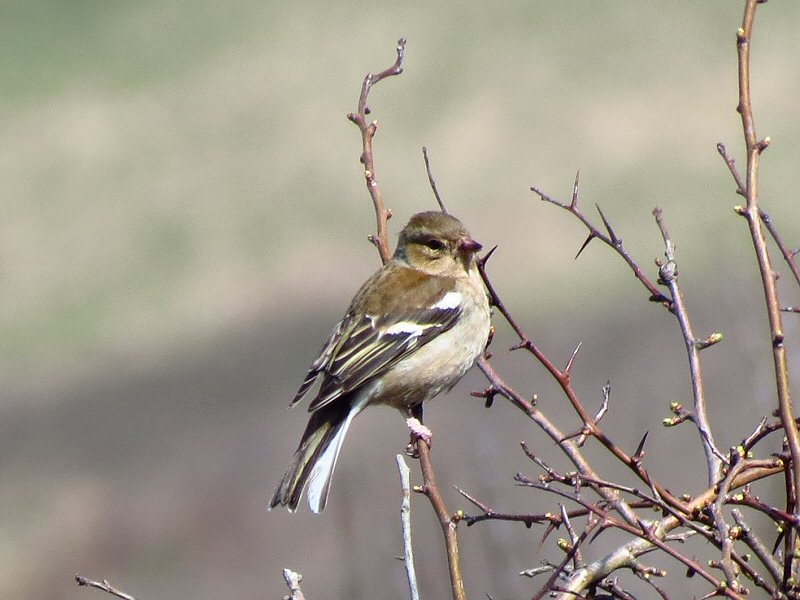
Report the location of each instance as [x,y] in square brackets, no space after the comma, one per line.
[399,315]
[323,357]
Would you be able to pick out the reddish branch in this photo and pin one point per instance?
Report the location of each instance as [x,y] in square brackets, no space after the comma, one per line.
[447,521]
[381,241]
[368,129]
[753,214]
[590,425]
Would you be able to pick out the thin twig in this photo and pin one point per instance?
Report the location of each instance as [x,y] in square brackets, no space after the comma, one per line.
[446,520]
[405,520]
[789,255]
[368,130]
[610,240]
[752,213]
[381,242]
[590,426]
[757,546]
[668,274]
[293,579]
[567,445]
[102,585]
[439,200]
[723,530]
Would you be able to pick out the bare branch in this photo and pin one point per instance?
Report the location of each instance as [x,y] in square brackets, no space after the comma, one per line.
[612,241]
[439,200]
[752,213]
[368,130]
[668,274]
[447,521]
[102,585]
[293,580]
[405,520]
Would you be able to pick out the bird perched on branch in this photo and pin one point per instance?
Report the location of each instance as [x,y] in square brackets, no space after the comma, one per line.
[412,331]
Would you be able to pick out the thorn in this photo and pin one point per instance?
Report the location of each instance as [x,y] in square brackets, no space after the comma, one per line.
[586,243]
[596,534]
[572,358]
[574,204]
[639,454]
[484,259]
[548,530]
[609,229]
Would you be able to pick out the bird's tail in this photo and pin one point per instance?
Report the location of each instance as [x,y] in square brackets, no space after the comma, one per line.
[315,458]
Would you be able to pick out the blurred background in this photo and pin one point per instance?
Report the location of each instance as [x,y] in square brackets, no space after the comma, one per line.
[184,219]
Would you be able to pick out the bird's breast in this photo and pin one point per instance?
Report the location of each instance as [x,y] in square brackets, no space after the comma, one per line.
[438,365]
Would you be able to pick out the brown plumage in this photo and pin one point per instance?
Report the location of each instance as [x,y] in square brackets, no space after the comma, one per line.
[412,331]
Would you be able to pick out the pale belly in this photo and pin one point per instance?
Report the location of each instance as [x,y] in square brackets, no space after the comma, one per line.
[437,366]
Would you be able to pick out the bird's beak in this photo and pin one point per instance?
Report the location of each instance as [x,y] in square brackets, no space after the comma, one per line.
[468,246]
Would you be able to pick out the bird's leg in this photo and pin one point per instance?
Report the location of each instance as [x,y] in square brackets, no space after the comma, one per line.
[418,430]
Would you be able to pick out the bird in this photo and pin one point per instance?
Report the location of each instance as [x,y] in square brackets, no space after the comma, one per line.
[412,330]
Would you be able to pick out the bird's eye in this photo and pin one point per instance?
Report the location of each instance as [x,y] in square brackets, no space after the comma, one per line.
[435,244]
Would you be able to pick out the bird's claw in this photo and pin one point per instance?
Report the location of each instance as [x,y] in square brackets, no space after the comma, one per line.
[418,432]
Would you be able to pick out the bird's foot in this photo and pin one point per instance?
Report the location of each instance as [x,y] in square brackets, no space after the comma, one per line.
[418,432]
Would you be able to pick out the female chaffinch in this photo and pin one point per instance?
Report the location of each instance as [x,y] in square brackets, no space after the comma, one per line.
[412,331]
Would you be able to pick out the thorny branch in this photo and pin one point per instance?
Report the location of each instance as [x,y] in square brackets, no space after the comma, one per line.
[618,506]
[429,488]
[725,473]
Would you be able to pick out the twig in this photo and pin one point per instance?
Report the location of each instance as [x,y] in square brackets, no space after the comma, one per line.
[102,585]
[757,546]
[651,533]
[668,275]
[405,520]
[439,200]
[368,130]
[590,426]
[610,240]
[789,255]
[293,580]
[574,541]
[553,519]
[752,213]
[446,521]
[567,445]
[723,530]
[381,242]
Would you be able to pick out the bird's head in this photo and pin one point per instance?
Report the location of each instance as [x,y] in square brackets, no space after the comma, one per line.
[437,243]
